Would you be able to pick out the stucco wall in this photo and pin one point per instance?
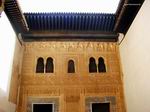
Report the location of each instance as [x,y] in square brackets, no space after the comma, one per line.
[135,56]
[8,104]
[16,72]
[5,106]
[71,88]
[7,45]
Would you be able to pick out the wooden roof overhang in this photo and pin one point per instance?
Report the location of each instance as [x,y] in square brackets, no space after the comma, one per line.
[72,26]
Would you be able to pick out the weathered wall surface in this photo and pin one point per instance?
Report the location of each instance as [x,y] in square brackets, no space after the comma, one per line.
[71,91]
[16,72]
[5,105]
[135,56]
[7,48]
[8,103]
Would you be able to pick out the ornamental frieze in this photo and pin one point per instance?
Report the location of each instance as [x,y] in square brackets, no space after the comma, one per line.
[72,46]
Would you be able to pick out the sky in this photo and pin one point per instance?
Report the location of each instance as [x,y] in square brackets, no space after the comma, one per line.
[7,45]
[96,6]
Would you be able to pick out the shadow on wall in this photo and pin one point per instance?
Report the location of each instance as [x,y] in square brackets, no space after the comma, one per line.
[5,105]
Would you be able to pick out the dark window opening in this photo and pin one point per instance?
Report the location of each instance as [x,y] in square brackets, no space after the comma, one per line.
[0,3]
[71,66]
[42,107]
[92,65]
[40,65]
[101,65]
[100,107]
[49,65]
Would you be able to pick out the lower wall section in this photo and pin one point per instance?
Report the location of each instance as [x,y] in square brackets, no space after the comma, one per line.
[71,98]
[73,103]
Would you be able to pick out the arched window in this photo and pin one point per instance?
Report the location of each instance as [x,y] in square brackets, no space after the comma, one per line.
[49,65]
[92,65]
[101,65]
[40,65]
[71,66]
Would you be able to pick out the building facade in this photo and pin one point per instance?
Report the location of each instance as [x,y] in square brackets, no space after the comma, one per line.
[72,76]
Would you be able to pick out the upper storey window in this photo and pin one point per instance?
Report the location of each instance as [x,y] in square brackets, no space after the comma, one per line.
[101,65]
[49,65]
[92,65]
[71,66]
[40,65]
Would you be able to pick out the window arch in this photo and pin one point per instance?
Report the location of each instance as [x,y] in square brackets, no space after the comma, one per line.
[92,65]
[40,65]
[49,65]
[71,66]
[101,65]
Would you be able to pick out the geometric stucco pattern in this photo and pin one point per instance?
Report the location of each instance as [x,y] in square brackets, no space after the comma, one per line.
[74,91]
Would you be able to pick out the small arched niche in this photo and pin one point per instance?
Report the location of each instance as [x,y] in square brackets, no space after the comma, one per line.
[71,66]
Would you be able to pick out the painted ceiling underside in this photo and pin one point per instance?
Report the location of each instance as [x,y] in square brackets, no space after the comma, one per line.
[70,22]
[90,26]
